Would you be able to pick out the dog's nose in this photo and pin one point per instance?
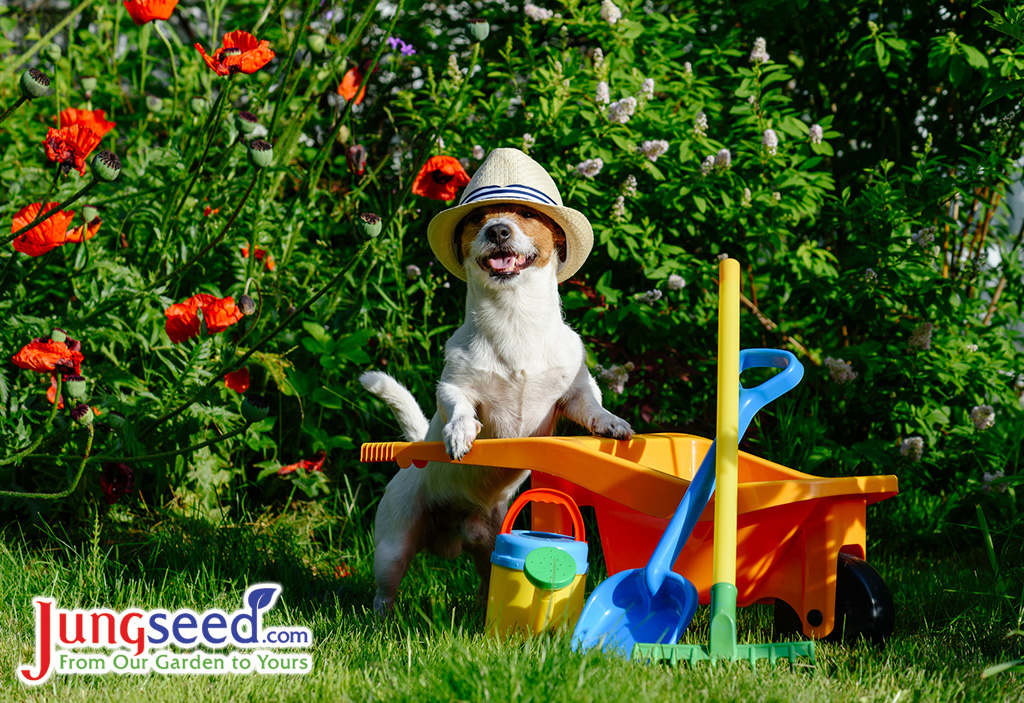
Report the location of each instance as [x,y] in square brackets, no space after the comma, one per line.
[499,233]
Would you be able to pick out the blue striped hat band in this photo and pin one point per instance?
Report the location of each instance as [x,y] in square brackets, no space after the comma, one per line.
[509,192]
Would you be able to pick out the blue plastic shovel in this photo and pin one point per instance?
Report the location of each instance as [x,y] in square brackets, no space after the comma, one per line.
[653,604]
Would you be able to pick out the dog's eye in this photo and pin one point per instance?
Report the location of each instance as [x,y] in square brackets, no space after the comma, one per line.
[527,215]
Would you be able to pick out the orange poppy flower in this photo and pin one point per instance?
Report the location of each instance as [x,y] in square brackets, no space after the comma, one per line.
[83,233]
[70,146]
[238,380]
[350,83]
[261,255]
[44,236]
[440,178]
[48,356]
[95,120]
[183,318]
[241,52]
[314,464]
[143,11]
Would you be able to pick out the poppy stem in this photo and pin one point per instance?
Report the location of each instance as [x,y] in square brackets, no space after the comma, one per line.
[42,435]
[12,108]
[217,240]
[252,239]
[74,482]
[158,25]
[210,128]
[49,213]
[285,95]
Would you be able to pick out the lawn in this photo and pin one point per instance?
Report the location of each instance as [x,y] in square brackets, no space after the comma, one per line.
[951,624]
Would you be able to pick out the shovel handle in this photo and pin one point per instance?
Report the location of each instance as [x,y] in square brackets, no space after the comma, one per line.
[545,495]
[703,484]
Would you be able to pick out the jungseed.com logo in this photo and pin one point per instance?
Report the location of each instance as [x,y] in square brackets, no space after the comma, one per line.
[136,641]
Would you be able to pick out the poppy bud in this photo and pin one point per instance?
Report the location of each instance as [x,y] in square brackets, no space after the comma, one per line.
[90,213]
[246,304]
[58,335]
[52,52]
[344,134]
[154,103]
[356,158]
[115,419]
[316,43]
[290,310]
[261,153]
[369,225]
[246,122]
[106,166]
[255,408]
[199,106]
[82,414]
[479,29]
[75,386]
[89,83]
[34,83]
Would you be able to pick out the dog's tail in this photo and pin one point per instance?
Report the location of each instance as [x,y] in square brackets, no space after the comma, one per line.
[407,411]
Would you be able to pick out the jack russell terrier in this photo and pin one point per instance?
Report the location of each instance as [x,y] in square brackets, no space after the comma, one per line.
[511,370]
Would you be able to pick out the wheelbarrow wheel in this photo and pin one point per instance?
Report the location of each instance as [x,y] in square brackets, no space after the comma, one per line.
[864,606]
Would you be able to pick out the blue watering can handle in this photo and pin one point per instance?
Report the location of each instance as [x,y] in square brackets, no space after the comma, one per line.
[703,485]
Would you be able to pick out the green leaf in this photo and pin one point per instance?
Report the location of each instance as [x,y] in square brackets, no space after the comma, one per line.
[1011,87]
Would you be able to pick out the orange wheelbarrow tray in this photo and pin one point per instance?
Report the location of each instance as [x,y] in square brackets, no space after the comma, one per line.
[792,528]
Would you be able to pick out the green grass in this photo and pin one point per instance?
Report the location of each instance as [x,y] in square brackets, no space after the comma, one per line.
[950,625]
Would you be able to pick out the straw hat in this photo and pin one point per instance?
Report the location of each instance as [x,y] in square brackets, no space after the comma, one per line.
[510,176]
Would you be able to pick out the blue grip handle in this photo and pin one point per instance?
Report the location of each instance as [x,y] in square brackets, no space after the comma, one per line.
[703,485]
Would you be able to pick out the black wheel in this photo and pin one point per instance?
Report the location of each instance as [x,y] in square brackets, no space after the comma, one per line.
[864,606]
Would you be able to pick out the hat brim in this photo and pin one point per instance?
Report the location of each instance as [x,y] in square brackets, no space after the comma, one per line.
[579,235]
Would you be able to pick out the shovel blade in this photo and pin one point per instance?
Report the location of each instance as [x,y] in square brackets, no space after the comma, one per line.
[621,613]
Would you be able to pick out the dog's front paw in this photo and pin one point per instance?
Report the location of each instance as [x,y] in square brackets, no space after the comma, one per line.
[609,425]
[459,434]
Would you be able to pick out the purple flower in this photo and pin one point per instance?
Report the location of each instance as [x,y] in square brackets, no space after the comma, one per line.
[403,47]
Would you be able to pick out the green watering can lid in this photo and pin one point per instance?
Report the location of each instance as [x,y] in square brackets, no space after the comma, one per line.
[550,568]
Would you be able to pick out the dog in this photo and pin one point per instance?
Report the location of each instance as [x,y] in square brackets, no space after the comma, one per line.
[513,369]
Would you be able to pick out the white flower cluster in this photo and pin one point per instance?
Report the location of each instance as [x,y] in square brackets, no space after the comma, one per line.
[537,14]
[528,141]
[770,141]
[870,276]
[817,134]
[687,68]
[616,376]
[840,371]
[602,95]
[653,148]
[921,337]
[912,448]
[453,69]
[610,13]
[924,237]
[619,208]
[706,165]
[621,110]
[647,88]
[590,168]
[987,480]
[700,125]
[598,57]
[412,272]
[629,186]
[745,199]
[723,160]
[478,152]
[676,282]
[971,348]
[650,297]
[983,417]
[760,52]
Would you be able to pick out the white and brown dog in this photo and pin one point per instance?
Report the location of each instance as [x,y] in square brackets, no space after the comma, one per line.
[511,370]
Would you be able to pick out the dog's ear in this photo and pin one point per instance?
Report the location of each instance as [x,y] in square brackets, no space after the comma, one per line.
[559,238]
[457,240]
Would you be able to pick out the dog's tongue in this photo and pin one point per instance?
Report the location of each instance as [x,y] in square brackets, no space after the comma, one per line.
[503,263]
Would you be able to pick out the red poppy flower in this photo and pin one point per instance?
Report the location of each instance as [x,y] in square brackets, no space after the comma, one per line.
[342,571]
[350,83]
[241,52]
[44,236]
[183,318]
[83,232]
[261,255]
[314,464]
[143,11]
[70,146]
[48,356]
[238,380]
[440,178]
[117,480]
[355,156]
[210,211]
[95,120]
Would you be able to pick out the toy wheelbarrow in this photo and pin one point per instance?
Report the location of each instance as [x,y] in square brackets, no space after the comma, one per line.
[800,538]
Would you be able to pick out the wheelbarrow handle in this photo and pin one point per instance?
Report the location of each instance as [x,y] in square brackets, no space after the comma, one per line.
[703,484]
